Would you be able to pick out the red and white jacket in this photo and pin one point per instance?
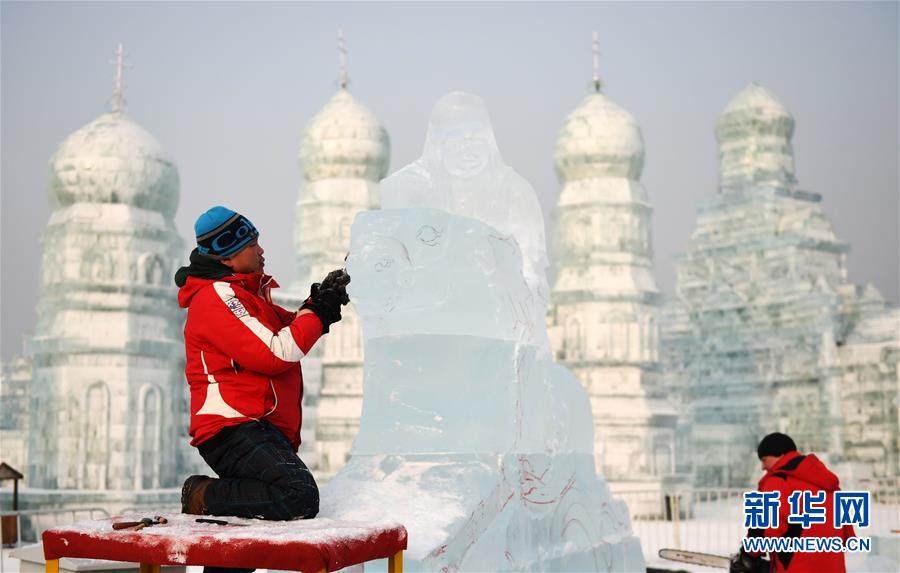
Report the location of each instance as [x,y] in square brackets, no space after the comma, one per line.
[243,355]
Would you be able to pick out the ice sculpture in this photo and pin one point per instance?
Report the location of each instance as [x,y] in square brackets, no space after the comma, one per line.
[462,172]
[470,435]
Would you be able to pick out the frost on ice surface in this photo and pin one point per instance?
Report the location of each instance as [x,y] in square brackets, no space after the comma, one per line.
[470,436]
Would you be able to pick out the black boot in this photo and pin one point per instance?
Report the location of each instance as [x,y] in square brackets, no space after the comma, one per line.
[192,495]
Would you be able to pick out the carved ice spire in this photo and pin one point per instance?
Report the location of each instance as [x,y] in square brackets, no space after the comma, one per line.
[344,80]
[595,48]
[117,102]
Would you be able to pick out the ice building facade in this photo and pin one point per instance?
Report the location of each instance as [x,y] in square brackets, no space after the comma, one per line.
[479,443]
[766,333]
[868,365]
[107,407]
[108,393]
[15,385]
[344,153]
[604,320]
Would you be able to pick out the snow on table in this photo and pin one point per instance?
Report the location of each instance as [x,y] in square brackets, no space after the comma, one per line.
[303,545]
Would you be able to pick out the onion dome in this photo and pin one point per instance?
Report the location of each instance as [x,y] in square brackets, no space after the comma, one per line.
[754,134]
[599,139]
[344,140]
[754,110]
[114,160]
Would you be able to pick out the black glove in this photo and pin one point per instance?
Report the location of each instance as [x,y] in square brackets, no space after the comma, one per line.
[338,280]
[325,303]
[746,563]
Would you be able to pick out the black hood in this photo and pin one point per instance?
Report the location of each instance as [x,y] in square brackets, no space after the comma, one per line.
[201,267]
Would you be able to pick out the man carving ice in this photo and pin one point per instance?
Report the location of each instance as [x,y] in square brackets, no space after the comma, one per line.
[243,355]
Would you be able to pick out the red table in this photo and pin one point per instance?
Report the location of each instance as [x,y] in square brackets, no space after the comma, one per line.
[311,545]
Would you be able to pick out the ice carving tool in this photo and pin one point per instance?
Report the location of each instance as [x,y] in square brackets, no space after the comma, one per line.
[219,522]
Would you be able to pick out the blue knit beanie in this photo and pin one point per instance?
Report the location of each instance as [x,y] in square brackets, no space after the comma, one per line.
[221,232]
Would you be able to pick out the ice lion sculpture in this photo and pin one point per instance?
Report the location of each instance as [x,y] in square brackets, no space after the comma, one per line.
[470,435]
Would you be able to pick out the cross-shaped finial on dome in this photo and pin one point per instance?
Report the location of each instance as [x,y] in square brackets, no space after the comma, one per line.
[595,49]
[117,101]
[344,80]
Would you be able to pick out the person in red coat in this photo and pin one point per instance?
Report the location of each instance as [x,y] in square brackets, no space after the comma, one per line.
[787,471]
[243,368]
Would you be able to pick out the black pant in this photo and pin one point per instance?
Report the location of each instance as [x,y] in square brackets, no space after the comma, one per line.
[260,476]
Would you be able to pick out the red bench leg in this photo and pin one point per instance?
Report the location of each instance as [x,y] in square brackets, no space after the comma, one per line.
[52,566]
[395,563]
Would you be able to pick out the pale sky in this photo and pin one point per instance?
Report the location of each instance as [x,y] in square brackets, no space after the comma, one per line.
[228,87]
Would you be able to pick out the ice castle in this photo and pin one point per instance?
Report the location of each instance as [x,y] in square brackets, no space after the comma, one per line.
[107,405]
[766,333]
[604,321]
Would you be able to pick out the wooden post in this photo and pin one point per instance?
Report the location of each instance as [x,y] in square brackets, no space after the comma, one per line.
[395,562]
[52,566]
[149,568]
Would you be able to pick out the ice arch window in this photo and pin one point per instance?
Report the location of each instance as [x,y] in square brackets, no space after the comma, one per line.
[572,341]
[97,266]
[149,437]
[95,437]
[153,269]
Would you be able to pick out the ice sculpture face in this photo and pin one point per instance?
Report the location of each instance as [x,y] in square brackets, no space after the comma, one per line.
[462,172]
[465,149]
[460,137]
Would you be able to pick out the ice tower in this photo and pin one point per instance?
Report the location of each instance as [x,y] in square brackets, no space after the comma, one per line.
[763,303]
[344,153]
[477,442]
[604,321]
[108,397]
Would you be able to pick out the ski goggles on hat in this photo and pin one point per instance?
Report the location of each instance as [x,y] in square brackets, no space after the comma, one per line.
[228,238]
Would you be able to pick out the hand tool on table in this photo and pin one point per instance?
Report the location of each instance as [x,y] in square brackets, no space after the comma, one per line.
[139,525]
[219,522]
